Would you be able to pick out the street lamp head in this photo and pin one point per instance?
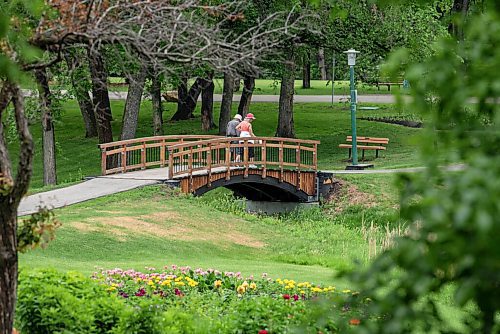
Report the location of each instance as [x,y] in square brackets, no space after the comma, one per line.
[351,56]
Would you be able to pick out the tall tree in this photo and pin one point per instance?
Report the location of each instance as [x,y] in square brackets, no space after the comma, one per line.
[285,115]
[306,72]
[207,103]
[322,63]
[133,102]
[80,85]
[227,102]
[48,131]
[246,95]
[187,99]
[100,96]
[155,92]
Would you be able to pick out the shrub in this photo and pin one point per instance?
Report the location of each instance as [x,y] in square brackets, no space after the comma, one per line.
[51,302]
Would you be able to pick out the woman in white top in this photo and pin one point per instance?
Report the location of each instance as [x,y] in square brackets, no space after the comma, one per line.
[246,131]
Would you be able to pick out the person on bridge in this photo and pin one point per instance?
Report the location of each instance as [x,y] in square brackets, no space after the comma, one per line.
[232,132]
[246,131]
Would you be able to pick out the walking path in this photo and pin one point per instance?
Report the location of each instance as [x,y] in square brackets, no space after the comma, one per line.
[370,98]
[112,184]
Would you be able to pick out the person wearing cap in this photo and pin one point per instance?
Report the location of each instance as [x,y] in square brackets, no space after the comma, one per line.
[232,132]
[246,130]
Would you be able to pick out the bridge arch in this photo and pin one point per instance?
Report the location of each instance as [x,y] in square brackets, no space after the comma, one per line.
[256,188]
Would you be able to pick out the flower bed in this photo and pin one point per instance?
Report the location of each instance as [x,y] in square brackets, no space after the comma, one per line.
[176,282]
[179,300]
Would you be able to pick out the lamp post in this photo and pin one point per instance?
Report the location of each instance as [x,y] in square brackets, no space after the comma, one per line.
[351,61]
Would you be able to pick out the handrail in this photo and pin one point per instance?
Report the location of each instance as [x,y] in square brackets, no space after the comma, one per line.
[137,140]
[218,155]
[139,153]
[186,154]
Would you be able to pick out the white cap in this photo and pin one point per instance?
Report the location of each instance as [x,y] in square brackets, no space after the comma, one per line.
[238,116]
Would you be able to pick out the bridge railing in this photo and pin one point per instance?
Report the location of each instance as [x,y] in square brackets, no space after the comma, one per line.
[140,153]
[219,155]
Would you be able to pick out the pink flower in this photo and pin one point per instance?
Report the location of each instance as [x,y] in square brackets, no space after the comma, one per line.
[286,296]
[263,331]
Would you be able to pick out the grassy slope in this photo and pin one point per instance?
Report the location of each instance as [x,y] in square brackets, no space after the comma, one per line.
[78,156]
[152,227]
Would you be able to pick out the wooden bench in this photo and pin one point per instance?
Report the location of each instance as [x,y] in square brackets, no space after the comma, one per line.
[370,143]
[386,82]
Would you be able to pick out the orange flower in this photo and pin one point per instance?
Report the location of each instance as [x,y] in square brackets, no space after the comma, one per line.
[354,322]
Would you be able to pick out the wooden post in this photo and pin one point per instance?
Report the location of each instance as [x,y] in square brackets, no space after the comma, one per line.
[297,161]
[124,159]
[264,159]
[245,158]
[103,161]
[228,160]
[170,175]
[315,157]
[209,165]
[162,153]
[143,156]
[281,161]
[190,169]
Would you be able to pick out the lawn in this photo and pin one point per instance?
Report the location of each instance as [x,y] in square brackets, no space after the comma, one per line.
[78,157]
[272,87]
[154,226]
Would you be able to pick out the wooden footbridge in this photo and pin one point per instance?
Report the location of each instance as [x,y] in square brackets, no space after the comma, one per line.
[282,169]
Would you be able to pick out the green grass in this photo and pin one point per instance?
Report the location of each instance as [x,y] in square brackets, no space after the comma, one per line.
[272,87]
[78,157]
[152,227]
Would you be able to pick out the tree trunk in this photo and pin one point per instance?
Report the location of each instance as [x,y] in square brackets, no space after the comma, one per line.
[285,117]
[321,63]
[48,131]
[187,105]
[306,73]
[246,95]
[460,8]
[207,103]
[10,197]
[80,87]
[156,104]
[133,103]
[226,104]
[100,96]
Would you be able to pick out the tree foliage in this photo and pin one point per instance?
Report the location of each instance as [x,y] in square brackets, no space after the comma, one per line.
[454,243]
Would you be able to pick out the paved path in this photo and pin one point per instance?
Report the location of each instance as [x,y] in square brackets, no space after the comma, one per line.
[112,184]
[371,98]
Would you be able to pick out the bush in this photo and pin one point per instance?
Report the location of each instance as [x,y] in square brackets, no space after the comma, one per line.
[51,302]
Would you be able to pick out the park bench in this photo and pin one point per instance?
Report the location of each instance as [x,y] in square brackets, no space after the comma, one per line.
[367,143]
[387,82]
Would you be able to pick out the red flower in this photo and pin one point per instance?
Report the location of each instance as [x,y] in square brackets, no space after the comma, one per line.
[295,297]
[354,322]
[178,292]
[141,292]
[286,297]
[263,331]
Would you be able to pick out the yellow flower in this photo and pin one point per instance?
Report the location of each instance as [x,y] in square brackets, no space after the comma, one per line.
[178,279]
[180,283]
[241,289]
[302,292]
[193,284]
[151,283]
[167,282]
[218,284]
[245,284]
[253,286]
[315,289]
[346,291]
[112,288]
